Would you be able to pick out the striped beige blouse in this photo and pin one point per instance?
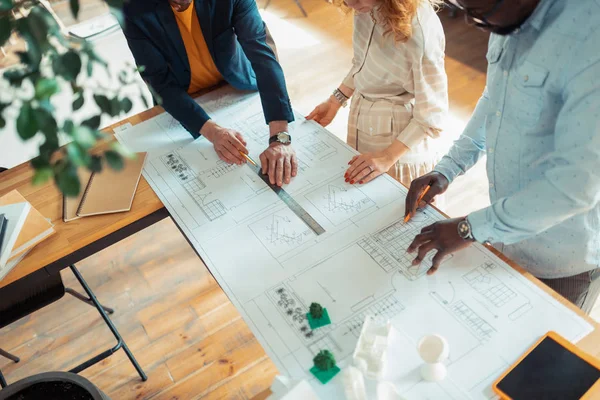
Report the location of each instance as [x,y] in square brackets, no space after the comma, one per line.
[411,72]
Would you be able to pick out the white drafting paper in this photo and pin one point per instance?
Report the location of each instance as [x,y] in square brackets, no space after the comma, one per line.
[272,266]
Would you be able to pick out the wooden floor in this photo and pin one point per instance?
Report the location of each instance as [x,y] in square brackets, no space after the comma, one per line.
[188,337]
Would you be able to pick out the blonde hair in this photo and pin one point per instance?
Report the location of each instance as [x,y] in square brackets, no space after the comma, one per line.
[396,15]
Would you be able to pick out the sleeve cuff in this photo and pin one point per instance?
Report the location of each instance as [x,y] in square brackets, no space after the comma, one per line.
[412,135]
[277,109]
[449,168]
[481,227]
[349,79]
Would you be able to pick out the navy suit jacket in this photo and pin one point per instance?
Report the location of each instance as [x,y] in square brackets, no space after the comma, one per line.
[236,38]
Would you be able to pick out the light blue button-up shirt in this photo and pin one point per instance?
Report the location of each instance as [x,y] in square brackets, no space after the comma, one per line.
[538,121]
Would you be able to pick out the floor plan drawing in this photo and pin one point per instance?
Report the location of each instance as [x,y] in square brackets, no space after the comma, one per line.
[273,267]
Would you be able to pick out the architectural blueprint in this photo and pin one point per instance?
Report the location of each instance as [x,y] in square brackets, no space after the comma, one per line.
[272,266]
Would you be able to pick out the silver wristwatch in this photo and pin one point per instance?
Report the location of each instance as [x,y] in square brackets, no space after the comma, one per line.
[465,231]
[340,97]
[281,137]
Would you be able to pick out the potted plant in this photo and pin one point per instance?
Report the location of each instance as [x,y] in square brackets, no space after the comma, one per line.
[53,62]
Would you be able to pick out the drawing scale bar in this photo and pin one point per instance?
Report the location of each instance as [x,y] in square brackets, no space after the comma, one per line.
[291,203]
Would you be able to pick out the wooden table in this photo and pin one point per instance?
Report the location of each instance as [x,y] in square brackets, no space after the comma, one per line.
[76,240]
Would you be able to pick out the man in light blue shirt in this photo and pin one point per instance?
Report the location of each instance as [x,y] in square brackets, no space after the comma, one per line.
[538,121]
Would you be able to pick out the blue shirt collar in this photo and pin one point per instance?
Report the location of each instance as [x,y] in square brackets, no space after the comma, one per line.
[538,17]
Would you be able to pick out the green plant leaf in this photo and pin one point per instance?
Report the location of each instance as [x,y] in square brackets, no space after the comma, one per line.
[89,68]
[78,103]
[66,178]
[74,5]
[78,155]
[145,101]
[114,159]
[40,162]
[126,104]
[68,127]
[42,176]
[26,123]
[45,88]
[93,123]
[2,122]
[68,66]
[122,150]
[45,121]
[5,28]
[84,136]
[104,103]
[115,106]
[155,95]
[6,5]
[95,164]
[15,76]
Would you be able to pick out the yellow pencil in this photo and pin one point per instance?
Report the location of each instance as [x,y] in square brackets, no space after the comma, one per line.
[410,215]
[250,160]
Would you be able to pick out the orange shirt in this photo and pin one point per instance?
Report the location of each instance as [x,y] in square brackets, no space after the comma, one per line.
[204,72]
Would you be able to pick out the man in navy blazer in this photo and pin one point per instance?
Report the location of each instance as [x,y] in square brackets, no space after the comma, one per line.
[236,38]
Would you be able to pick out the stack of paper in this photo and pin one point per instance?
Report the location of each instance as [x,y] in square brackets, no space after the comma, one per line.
[25,228]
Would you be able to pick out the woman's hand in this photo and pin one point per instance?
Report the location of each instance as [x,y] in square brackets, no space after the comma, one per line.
[366,167]
[325,112]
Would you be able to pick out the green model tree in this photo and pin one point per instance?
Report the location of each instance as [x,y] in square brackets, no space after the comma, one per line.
[324,361]
[316,311]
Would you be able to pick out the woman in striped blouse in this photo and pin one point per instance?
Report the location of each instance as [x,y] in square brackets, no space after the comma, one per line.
[398,87]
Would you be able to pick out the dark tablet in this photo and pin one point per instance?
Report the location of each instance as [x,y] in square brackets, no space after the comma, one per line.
[552,369]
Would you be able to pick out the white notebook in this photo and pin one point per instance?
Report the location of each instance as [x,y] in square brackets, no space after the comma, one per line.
[16,214]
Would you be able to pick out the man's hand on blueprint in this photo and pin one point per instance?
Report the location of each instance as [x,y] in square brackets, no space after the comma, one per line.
[441,236]
[227,142]
[279,161]
[438,183]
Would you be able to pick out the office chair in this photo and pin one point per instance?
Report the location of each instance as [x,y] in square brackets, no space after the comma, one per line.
[29,294]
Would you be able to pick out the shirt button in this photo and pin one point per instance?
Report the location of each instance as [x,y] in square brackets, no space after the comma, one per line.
[505,73]
[491,185]
[526,78]
[491,150]
[498,113]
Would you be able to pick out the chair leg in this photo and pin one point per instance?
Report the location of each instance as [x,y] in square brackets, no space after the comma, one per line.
[86,300]
[111,326]
[2,381]
[9,356]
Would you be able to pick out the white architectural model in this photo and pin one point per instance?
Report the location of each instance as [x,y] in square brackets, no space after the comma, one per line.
[370,355]
[354,384]
[434,350]
[284,388]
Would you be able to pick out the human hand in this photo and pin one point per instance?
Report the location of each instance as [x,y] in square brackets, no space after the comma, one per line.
[324,113]
[439,184]
[366,167]
[441,236]
[227,142]
[280,163]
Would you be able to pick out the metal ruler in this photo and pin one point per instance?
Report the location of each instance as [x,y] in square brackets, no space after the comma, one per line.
[291,203]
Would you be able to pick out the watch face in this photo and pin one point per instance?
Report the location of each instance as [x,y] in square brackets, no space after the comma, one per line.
[463,229]
[283,138]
